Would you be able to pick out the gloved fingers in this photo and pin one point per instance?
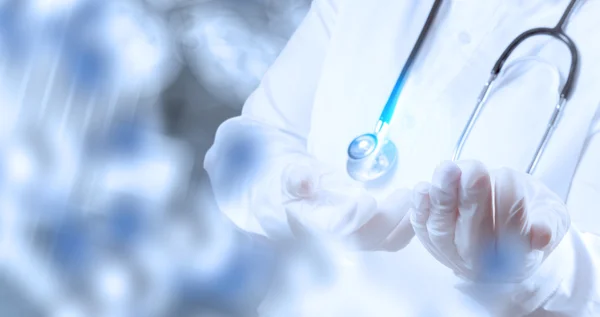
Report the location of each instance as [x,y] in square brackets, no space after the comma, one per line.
[443,212]
[475,223]
[371,226]
[510,200]
[300,217]
[296,225]
[525,206]
[389,227]
[420,212]
[349,212]
[400,237]
[322,199]
[323,204]
[515,217]
[513,240]
[317,217]
[419,217]
[528,223]
[348,217]
[338,213]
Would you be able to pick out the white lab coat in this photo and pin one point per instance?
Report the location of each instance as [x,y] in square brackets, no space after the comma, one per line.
[330,84]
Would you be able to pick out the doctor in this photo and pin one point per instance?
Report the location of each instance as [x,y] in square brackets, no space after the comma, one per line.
[489,233]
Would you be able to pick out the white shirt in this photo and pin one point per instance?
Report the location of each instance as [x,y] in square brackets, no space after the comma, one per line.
[330,84]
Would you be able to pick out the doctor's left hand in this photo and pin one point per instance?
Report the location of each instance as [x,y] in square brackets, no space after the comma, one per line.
[331,207]
[496,226]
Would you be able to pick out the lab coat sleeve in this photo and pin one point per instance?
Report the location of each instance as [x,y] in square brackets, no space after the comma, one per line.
[568,282]
[251,151]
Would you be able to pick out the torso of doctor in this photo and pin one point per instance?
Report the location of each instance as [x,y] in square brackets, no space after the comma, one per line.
[330,84]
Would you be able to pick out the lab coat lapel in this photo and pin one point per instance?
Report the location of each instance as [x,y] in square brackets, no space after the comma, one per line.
[360,71]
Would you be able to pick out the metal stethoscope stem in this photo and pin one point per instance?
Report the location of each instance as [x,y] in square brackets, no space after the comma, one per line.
[552,123]
[556,32]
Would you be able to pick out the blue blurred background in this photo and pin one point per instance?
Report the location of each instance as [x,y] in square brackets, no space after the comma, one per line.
[107,108]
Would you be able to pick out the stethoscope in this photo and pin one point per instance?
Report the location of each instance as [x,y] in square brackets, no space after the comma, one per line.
[373,155]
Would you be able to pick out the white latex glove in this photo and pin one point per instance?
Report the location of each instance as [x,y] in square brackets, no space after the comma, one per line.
[329,206]
[495,226]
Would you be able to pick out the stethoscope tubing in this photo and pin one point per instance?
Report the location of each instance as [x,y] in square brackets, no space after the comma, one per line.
[390,106]
[556,32]
[381,129]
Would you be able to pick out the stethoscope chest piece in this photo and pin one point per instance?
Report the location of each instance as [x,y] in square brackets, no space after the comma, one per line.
[370,157]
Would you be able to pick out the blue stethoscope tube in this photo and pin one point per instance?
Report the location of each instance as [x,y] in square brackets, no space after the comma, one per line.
[372,155]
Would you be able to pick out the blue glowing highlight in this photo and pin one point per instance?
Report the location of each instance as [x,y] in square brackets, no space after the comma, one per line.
[390,107]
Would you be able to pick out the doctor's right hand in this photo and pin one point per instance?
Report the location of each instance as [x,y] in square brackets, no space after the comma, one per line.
[329,206]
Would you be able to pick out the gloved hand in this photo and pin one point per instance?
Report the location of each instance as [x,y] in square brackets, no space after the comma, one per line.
[495,226]
[324,204]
